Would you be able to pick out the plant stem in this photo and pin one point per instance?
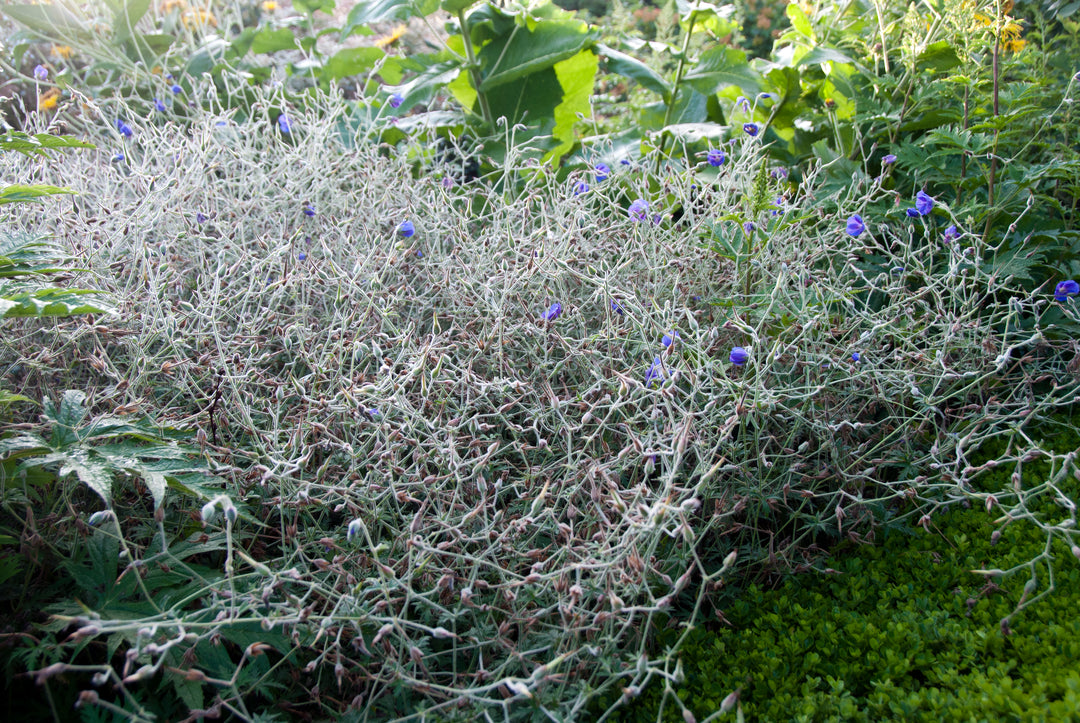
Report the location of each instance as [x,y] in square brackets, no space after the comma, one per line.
[675,87]
[474,69]
[997,112]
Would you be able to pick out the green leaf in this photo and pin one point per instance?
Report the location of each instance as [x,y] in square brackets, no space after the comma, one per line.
[95,474]
[364,14]
[822,54]
[313,6]
[352,61]
[7,397]
[428,82]
[455,6]
[938,56]
[126,18]
[23,194]
[799,21]
[721,66]
[577,76]
[67,415]
[630,67]
[54,22]
[38,143]
[270,41]
[525,52]
[50,302]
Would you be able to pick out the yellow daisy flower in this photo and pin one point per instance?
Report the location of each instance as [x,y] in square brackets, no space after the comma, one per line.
[393,37]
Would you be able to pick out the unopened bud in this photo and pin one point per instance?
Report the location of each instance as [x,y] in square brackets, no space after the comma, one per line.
[87,697]
[688,716]
[995,536]
[729,702]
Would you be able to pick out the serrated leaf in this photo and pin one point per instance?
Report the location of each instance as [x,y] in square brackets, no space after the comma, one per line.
[23,194]
[51,302]
[93,473]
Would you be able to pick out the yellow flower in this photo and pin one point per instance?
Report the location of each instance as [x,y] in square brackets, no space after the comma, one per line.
[198,18]
[393,37]
[48,99]
[170,5]
[269,6]
[62,51]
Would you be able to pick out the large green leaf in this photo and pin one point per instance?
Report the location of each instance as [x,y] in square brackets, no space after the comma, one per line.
[630,67]
[352,61]
[94,473]
[576,75]
[822,54]
[523,52]
[721,66]
[427,83]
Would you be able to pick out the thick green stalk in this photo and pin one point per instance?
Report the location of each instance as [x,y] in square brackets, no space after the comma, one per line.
[679,70]
[474,70]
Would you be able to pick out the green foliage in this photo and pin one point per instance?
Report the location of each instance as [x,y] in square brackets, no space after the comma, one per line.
[900,629]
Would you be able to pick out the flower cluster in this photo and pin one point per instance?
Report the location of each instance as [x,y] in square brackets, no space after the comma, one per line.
[924,204]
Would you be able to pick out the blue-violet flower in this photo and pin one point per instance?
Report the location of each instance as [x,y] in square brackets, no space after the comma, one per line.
[602,172]
[1065,289]
[855,225]
[639,209]
[739,356]
[716,157]
[552,312]
[406,229]
[41,73]
[751,129]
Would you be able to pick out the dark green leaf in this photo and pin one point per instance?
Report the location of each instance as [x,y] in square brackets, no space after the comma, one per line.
[630,67]
[719,67]
[938,56]
[524,53]
[23,194]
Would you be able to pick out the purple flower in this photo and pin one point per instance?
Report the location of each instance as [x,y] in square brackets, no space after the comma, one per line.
[602,172]
[396,100]
[309,210]
[739,356]
[770,96]
[743,103]
[888,160]
[374,413]
[41,73]
[581,187]
[855,225]
[856,357]
[625,162]
[751,129]
[617,308]
[201,218]
[924,204]
[779,173]
[552,312]
[668,338]
[655,372]
[716,157]
[176,89]
[158,105]
[302,256]
[639,209]
[748,227]
[419,254]
[406,229]
[124,128]
[284,124]
[1065,289]
[951,234]
[118,157]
